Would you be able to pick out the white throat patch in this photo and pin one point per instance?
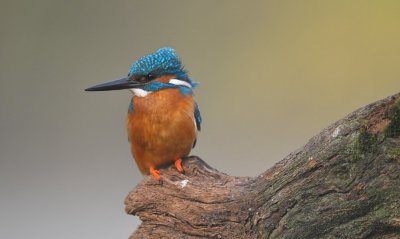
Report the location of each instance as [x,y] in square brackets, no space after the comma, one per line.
[140,92]
[180,82]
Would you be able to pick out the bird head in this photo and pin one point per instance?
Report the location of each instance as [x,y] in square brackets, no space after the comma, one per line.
[160,70]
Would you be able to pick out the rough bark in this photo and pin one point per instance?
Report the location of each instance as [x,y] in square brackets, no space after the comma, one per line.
[344,183]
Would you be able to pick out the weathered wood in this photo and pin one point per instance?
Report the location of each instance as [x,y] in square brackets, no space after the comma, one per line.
[344,183]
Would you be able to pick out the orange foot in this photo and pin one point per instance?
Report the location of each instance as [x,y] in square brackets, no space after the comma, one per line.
[155,173]
[178,165]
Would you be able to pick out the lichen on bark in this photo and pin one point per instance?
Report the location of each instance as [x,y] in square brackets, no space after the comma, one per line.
[393,128]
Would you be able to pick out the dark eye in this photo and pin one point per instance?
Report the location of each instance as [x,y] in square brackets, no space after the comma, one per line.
[146,78]
[151,76]
[143,79]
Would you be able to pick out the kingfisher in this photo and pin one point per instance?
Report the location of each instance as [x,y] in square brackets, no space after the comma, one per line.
[163,117]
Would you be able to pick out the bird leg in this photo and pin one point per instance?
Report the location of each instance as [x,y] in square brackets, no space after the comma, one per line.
[155,173]
[178,165]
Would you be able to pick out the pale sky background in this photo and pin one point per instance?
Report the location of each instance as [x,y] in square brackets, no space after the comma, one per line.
[272,73]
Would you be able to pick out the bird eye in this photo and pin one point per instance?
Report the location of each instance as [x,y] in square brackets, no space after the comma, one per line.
[142,79]
[146,78]
[151,77]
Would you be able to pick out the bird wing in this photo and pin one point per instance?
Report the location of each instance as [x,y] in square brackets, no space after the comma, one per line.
[197,116]
[197,120]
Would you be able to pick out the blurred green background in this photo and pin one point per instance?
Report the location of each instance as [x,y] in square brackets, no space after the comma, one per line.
[272,73]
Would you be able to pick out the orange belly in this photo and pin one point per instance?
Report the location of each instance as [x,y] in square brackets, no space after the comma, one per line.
[162,128]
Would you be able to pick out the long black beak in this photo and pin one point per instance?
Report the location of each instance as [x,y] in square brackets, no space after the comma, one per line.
[124,83]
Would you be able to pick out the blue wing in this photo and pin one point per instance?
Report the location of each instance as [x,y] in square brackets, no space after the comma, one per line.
[197,118]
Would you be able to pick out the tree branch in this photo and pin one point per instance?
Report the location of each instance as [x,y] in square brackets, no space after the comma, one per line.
[344,183]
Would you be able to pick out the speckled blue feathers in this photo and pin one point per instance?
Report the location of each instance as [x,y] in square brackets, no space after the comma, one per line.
[163,62]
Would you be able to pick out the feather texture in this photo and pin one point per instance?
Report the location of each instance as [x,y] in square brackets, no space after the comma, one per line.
[162,128]
[162,62]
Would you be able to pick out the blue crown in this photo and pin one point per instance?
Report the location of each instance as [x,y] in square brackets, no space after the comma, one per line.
[162,62]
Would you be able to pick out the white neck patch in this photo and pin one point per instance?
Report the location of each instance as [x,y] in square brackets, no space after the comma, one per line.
[180,82]
[143,93]
[140,92]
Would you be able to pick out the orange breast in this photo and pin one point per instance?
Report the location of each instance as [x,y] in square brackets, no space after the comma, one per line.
[162,128]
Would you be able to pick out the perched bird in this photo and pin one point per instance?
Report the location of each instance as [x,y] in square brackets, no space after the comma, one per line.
[163,117]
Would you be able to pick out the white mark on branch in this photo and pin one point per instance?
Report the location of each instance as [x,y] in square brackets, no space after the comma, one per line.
[336,132]
[184,182]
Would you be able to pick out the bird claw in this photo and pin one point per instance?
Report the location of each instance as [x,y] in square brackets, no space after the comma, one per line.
[178,165]
[155,173]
